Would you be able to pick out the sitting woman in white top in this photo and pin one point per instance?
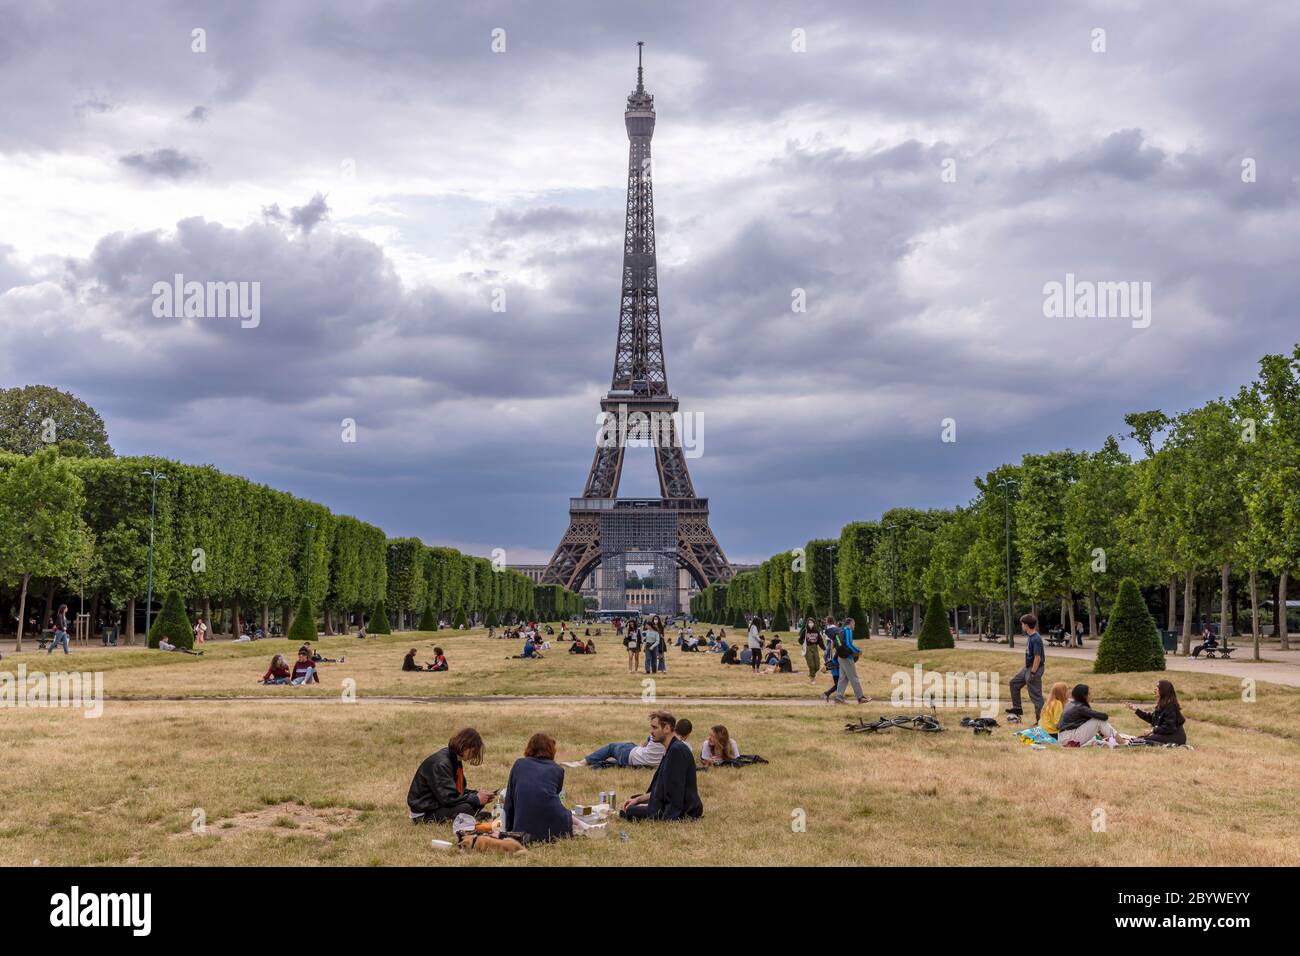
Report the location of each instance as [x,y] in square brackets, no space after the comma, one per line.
[719,746]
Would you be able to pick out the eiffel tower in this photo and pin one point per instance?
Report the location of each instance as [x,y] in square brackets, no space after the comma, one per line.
[671,531]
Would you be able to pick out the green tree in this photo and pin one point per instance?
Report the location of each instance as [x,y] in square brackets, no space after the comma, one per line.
[172,623]
[41,500]
[934,629]
[303,627]
[36,417]
[1130,642]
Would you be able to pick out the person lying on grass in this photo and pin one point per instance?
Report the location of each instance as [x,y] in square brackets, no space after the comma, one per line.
[1166,720]
[673,794]
[533,803]
[719,746]
[278,672]
[438,790]
[163,645]
[304,671]
[628,754]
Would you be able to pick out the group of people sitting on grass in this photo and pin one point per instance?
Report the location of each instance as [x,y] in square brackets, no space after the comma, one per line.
[1069,719]
[581,646]
[533,801]
[305,669]
[439,662]
[717,748]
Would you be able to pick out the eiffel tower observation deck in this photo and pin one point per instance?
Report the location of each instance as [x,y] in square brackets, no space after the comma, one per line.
[672,530]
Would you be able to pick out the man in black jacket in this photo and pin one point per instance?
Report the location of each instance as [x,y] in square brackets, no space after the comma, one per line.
[673,795]
[438,791]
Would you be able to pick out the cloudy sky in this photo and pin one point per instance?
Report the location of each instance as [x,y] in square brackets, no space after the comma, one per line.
[380,169]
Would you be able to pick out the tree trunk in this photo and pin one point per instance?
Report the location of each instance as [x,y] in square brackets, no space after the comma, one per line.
[1223,604]
[1068,614]
[916,619]
[266,618]
[22,612]
[130,621]
[207,614]
[1254,612]
[1173,604]
[1281,611]
[1093,623]
[329,623]
[235,629]
[1189,610]
[875,622]
[286,619]
[94,614]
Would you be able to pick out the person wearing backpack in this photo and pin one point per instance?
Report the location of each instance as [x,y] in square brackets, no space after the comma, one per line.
[847,653]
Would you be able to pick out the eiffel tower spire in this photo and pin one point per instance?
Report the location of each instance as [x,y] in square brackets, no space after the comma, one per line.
[639,385]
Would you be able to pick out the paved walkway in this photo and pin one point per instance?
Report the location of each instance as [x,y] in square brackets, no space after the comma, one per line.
[1278,666]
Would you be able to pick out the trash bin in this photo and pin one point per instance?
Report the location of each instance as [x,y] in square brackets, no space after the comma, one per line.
[1170,640]
[110,634]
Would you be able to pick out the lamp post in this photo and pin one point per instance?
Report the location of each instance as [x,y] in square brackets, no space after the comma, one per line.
[154,476]
[893,590]
[1007,484]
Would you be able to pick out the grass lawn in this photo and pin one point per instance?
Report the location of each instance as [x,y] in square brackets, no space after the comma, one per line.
[325,781]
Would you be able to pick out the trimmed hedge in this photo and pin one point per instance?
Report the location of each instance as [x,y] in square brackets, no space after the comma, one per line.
[934,629]
[428,620]
[781,622]
[460,620]
[303,628]
[172,623]
[1130,642]
[378,623]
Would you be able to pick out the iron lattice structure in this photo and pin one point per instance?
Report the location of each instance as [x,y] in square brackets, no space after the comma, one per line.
[639,385]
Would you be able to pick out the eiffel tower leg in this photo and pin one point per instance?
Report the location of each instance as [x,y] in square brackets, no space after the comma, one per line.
[698,551]
[576,554]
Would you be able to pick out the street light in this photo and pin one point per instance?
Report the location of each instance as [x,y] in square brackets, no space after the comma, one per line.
[1007,484]
[893,590]
[154,476]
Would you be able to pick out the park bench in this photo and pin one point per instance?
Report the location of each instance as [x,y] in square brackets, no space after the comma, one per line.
[1222,651]
[1058,640]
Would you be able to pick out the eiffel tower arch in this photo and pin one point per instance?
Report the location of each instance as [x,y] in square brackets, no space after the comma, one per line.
[673,528]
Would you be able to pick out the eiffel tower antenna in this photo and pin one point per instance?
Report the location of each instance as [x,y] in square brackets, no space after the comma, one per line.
[671,531]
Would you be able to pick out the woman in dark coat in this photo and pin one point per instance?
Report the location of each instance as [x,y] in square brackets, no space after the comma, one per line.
[533,803]
[1166,720]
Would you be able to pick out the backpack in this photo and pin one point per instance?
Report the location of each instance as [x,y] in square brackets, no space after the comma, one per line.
[841,648]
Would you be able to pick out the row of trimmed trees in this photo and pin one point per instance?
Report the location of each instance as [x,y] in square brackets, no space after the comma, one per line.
[1205,520]
[79,527]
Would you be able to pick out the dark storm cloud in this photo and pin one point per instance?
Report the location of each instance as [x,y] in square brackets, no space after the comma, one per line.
[163,163]
[822,174]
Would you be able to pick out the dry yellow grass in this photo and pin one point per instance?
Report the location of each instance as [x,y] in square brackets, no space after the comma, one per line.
[325,781]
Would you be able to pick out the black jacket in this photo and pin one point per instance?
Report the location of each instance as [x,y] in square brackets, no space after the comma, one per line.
[439,784]
[1166,724]
[673,795]
[1077,714]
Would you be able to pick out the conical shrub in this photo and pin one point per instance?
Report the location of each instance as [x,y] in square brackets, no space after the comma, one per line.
[1130,642]
[378,623]
[860,622]
[428,620]
[172,623]
[491,620]
[934,630]
[303,627]
[781,622]
[460,620]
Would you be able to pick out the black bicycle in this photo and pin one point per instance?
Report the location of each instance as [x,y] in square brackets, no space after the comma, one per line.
[926,723]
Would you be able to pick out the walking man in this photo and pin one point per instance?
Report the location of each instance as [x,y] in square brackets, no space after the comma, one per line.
[60,630]
[1031,675]
[847,653]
